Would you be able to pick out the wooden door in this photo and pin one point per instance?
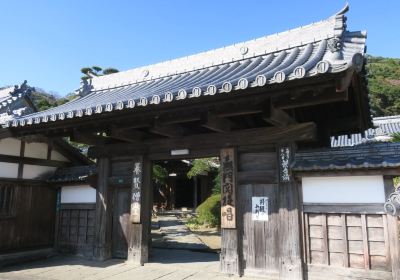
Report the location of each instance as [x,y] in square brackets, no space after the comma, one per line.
[257,177]
[121,223]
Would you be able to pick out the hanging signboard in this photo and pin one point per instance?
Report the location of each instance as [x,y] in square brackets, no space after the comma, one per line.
[259,208]
[136,191]
[228,182]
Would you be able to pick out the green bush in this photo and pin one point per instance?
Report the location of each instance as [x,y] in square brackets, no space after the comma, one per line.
[209,212]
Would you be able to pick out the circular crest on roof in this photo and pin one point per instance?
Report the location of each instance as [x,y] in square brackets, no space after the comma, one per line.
[45,118]
[211,90]
[243,83]
[168,97]
[99,109]
[22,122]
[196,92]
[88,111]
[280,77]
[323,66]
[131,103]
[227,87]
[145,73]
[29,121]
[182,94]
[70,114]
[143,101]
[299,72]
[37,120]
[155,99]
[15,123]
[261,80]
[244,50]
[79,113]
[358,61]
[119,105]
[61,116]
[109,107]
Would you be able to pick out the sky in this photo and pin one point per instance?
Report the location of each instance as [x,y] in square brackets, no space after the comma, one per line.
[47,42]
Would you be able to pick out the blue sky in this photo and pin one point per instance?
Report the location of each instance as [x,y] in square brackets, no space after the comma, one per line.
[47,42]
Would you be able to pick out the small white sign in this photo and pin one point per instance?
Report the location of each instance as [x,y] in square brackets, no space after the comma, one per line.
[259,209]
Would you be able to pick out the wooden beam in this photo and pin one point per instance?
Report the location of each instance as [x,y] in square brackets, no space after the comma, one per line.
[171,131]
[32,161]
[88,138]
[246,137]
[217,124]
[311,99]
[132,136]
[277,117]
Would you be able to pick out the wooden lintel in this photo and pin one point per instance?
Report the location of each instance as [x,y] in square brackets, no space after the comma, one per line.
[248,137]
[171,131]
[277,117]
[88,138]
[217,124]
[311,99]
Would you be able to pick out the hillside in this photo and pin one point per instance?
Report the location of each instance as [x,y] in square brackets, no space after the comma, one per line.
[384,85]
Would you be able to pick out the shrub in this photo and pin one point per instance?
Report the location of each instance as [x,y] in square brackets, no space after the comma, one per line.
[209,212]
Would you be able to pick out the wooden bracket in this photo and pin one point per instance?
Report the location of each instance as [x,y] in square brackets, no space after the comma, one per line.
[217,124]
[171,131]
[277,117]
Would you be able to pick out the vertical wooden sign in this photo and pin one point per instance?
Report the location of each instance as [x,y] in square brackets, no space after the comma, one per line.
[228,186]
[137,175]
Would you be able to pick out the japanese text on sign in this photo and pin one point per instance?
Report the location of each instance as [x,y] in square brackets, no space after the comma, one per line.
[228,189]
[136,192]
[259,208]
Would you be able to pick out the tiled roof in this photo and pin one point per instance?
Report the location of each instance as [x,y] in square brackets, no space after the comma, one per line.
[9,102]
[384,128]
[365,156]
[72,174]
[312,50]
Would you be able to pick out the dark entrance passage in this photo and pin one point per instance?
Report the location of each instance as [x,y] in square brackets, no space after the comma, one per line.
[121,222]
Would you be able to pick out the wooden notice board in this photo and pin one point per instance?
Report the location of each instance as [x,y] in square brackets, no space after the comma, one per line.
[136,194]
[228,188]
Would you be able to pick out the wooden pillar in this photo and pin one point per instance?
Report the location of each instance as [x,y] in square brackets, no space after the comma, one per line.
[139,239]
[102,245]
[230,234]
[290,261]
[393,231]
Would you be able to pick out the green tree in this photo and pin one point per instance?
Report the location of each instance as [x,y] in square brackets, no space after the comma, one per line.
[89,72]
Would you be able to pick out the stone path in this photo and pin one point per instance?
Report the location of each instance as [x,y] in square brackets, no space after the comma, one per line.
[173,233]
[166,264]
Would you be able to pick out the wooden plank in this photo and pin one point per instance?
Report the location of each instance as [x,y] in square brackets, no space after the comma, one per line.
[277,117]
[335,232]
[340,273]
[257,176]
[216,123]
[334,220]
[325,247]
[228,187]
[367,264]
[21,164]
[375,221]
[345,241]
[356,261]
[364,208]
[307,238]
[387,245]
[32,161]
[81,206]
[377,248]
[379,263]
[229,258]
[261,161]
[136,189]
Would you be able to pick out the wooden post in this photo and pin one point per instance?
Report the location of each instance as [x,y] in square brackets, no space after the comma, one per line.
[290,263]
[230,233]
[139,239]
[102,245]
[393,231]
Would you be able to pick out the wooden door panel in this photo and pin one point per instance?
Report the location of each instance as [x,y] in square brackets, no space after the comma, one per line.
[121,222]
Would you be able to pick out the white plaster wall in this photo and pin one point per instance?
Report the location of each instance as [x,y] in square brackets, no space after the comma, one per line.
[57,156]
[8,170]
[10,147]
[78,194]
[37,171]
[343,189]
[36,150]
